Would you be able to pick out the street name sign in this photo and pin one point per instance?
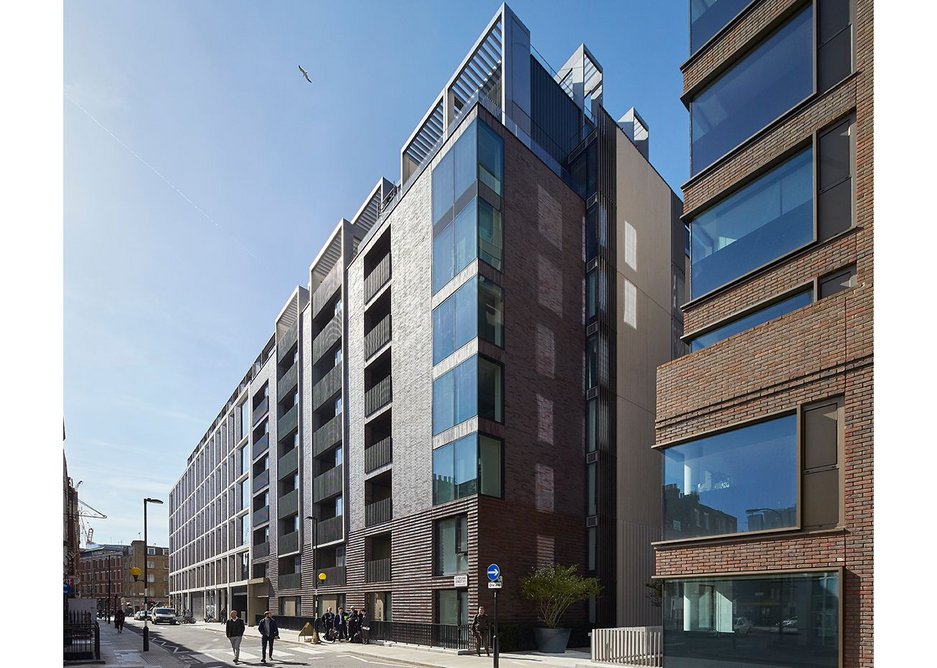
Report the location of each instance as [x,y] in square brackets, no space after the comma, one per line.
[460,580]
[495,584]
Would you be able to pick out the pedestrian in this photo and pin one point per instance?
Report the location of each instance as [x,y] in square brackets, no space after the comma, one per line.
[479,629]
[268,633]
[234,629]
[119,621]
[224,616]
[363,626]
[328,620]
[341,624]
[353,626]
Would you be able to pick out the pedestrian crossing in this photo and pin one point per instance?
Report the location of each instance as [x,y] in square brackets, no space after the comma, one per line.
[281,655]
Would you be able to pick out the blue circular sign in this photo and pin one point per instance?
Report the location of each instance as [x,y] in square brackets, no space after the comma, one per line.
[68,589]
[494,572]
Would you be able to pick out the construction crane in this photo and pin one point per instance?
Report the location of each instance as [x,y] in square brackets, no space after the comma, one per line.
[93,513]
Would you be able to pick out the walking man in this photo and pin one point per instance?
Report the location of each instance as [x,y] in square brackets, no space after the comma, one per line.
[328,620]
[119,620]
[268,633]
[341,625]
[479,629]
[234,629]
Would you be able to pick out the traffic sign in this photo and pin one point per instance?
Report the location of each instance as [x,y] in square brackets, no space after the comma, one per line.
[494,572]
[496,584]
[68,589]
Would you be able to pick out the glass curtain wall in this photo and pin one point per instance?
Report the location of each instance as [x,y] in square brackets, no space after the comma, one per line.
[467,466]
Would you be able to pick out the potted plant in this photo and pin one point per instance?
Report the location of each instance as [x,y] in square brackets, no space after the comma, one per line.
[553,589]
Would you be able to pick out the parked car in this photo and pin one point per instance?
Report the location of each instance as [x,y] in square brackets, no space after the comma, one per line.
[164,616]
[139,615]
[742,626]
[790,625]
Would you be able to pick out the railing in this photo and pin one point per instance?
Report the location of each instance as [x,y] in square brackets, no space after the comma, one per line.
[260,516]
[262,479]
[261,550]
[327,484]
[378,512]
[288,504]
[334,576]
[433,635]
[327,435]
[288,463]
[327,288]
[325,339]
[377,278]
[631,646]
[378,455]
[260,446]
[82,637]
[289,580]
[288,421]
[285,342]
[330,530]
[327,386]
[378,396]
[377,570]
[260,411]
[377,337]
[288,542]
[287,382]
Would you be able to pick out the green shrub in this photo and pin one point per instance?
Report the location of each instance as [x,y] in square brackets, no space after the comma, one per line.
[554,588]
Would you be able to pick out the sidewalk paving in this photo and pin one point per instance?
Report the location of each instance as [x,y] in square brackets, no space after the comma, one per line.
[125,650]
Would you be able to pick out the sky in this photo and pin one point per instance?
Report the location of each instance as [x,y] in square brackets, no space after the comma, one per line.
[202,174]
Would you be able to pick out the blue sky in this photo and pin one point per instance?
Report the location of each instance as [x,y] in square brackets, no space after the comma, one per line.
[202,174]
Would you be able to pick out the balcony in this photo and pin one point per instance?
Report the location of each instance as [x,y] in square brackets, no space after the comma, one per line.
[331,333]
[327,484]
[377,278]
[378,512]
[378,396]
[260,516]
[328,286]
[287,382]
[327,435]
[261,480]
[288,463]
[288,542]
[330,530]
[377,337]
[288,421]
[261,410]
[290,580]
[260,446]
[334,577]
[261,550]
[377,570]
[378,455]
[327,387]
[288,504]
[285,342]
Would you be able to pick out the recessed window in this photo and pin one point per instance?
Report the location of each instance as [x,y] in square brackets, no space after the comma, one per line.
[746,322]
[837,282]
[451,545]
[822,438]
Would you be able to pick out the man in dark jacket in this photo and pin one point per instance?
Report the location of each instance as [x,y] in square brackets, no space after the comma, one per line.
[119,620]
[268,633]
[234,629]
[341,624]
[479,629]
[328,620]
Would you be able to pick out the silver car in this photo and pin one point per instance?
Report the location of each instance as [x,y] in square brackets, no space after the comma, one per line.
[164,615]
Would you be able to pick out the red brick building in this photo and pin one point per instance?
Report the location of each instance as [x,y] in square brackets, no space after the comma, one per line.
[769,419]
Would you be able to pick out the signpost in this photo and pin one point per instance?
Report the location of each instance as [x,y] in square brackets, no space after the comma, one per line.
[494,582]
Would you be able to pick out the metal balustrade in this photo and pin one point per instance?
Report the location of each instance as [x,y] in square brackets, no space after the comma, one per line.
[378,512]
[287,543]
[378,455]
[631,646]
[330,530]
[327,435]
[288,504]
[377,570]
[327,484]
[325,339]
[378,336]
[378,396]
[327,387]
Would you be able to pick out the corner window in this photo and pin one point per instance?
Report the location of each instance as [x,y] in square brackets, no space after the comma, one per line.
[450,538]
[475,387]
[707,17]
[468,466]
[474,310]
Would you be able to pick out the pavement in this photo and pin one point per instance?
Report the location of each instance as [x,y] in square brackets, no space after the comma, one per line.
[124,650]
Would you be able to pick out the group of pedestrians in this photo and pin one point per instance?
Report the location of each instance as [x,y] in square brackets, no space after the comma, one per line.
[234,629]
[344,626]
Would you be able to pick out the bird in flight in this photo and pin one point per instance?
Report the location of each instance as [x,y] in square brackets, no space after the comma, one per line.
[305,74]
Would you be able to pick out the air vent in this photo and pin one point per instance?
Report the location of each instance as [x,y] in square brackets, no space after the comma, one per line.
[592,457]
[592,521]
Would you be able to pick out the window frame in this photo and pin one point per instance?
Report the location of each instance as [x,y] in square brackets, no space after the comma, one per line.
[438,567]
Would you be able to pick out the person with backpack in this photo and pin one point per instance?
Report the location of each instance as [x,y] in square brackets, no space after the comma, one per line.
[234,629]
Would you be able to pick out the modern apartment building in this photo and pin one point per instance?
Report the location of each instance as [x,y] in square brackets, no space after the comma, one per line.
[466,378]
[105,575]
[766,426]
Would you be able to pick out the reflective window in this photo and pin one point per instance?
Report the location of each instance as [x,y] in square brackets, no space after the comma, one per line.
[472,310]
[454,245]
[465,467]
[786,620]
[751,320]
[490,387]
[837,282]
[490,312]
[245,420]
[592,295]
[490,158]
[475,387]
[451,545]
[763,221]
[834,179]
[490,466]
[767,82]
[592,361]
[733,482]
[591,410]
[442,187]
[707,17]
[489,234]
[591,488]
[452,607]
[465,155]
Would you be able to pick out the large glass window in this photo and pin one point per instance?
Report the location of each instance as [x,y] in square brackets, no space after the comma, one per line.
[454,245]
[707,17]
[763,221]
[490,312]
[451,545]
[475,387]
[786,620]
[490,388]
[472,310]
[751,320]
[245,420]
[734,482]
[452,607]
[767,82]
[465,467]
[489,234]
[490,158]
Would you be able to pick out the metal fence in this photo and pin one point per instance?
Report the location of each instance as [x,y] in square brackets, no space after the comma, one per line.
[434,635]
[82,637]
[632,646]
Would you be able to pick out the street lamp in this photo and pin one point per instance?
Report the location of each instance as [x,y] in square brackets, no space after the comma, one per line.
[315,591]
[146,583]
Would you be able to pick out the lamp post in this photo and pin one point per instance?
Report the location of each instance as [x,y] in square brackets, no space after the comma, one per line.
[146,583]
[315,591]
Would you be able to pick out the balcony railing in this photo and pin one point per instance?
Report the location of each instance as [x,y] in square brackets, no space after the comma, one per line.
[260,446]
[288,542]
[261,410]
[288,421]
[327,484]
[327,387]
[327,288]
[325,339]
[377,278]
[377,570]
[261,480]
[285,342]
[287,382]
[327,435]
[261,550]
[377,337]
[330,530]
[378,396]
[290,580]
[378,512]
[288,504]
[260,516]
[334,576]
[288,463]
[378,455]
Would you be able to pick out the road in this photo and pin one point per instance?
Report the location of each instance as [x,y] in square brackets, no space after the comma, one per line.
[198,646]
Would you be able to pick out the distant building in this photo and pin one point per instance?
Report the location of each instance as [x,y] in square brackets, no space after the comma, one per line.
[105,575]
[71,530]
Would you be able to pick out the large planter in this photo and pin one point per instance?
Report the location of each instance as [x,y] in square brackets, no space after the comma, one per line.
[551,640]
